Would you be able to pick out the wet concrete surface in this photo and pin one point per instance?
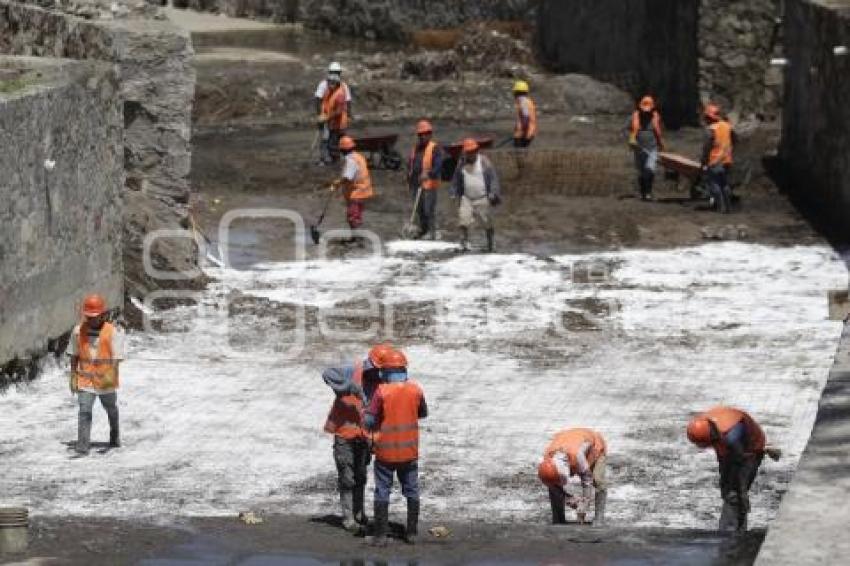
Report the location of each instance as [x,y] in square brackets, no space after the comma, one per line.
[319,540]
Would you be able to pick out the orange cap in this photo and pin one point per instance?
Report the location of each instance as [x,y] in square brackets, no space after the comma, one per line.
[424,127]
[395,359]
[647,104]
[548,473]
[470,145]
[93,305]
[699,431]
[712,111]
[377,354]
[346,143]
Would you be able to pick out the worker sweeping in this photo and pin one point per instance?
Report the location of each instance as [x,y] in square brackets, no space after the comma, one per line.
[476,188]
[423,178]
[96,350]
[322,96]
[740,445]
[355,185]
[575,452]
[646,141]
[333,119]
[525,129]
[394,412]
[353,386]
[717,157]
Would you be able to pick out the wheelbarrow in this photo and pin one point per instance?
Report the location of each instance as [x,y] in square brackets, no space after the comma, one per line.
[453,151]
[380,150]
[678,166]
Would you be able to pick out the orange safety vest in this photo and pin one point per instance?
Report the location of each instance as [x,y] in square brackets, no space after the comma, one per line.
[335,108]
[655,123]
[99,372]
[725,418]
[345,418]
[397,441]
[427,164]
[721,152]
[569,442]
[361,187]
[519,132]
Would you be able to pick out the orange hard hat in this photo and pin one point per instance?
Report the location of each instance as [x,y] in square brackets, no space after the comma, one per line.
[548,473]
[470,145]
[647,104]
[93,305]
[377,354]
[699,431]
[346,143]
[424,127]
[712,111]
[395,359]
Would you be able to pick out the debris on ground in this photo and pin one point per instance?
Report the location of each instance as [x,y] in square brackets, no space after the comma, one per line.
[250,518]
[725,233]
[431,66]
[439,532]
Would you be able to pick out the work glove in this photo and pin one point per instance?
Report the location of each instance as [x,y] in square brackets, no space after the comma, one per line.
[72,383]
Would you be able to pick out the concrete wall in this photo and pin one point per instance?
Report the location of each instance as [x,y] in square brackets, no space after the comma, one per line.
[156,85]
[60,230]
[815,147]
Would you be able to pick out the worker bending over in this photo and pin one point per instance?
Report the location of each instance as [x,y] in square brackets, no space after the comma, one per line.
[525,129]
[355,185]
[646,141]
[717,157]
[575,452]
[476,186]
[394,414]
[353,386]
[96,349]
[740,445]
[423,177]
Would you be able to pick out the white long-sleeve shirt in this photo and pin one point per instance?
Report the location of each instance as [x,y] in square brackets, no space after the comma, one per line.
[562,464]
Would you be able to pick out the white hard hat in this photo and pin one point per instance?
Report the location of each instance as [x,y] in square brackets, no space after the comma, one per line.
[334,67]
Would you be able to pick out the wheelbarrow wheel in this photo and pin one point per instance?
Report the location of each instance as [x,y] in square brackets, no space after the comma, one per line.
[391,159]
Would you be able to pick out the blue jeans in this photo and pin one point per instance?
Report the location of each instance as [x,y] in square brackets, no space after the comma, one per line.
[86,401]
[408,476]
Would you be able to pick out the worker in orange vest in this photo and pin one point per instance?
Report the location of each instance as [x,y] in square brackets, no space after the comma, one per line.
[394,412]
[334,117]
[525,129]
[575,452]
[353,386]
[740,445]
[646,141]
[96,349]
[423,177]
[355,184]
[717,157]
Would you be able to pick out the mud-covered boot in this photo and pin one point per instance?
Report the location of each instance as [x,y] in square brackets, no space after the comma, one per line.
[464,239]
[412,530]
[599,501]
[359,506]
[725,200]
[346,505]
[382,517]
[491,237]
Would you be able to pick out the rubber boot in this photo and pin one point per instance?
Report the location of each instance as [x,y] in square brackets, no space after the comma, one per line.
[382,517]
[346,505]
[114,437]
[600,499]
[464,239]
[491,236]
[728,517]
[725,200]
[412,521]
[359,500]
[650,177]
[556,501]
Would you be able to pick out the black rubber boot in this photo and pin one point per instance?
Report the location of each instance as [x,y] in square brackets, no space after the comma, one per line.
[359,505]
[491,236]
[114,438]
[412,521]
[464,239]
[382,517]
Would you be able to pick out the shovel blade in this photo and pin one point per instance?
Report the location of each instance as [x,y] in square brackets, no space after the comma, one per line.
[315,234]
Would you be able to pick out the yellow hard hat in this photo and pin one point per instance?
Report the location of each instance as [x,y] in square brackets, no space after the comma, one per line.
[521,87]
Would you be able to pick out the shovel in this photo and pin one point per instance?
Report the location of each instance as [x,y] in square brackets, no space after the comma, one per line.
[314,228]
[411,229]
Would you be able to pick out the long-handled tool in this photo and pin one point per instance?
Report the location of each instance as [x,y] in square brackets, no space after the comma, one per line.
[504,142]
[411,229]
[314,228]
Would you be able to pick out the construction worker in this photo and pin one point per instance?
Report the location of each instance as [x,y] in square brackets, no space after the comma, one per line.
[740,445]
[394,412]
[355,184]
[333,118]
[423,177]
[646,141]
[476,186]
[96,349]
[717,157]
[575,452]
[526,115]
[353,386]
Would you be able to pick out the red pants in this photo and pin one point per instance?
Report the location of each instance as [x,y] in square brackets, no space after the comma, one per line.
[354,213]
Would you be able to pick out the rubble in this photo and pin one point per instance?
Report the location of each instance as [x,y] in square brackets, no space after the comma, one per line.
[431,66]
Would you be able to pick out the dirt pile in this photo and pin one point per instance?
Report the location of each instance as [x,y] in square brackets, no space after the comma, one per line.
[490,50]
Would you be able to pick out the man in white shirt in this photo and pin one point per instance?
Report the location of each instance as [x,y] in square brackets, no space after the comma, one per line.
[476,186]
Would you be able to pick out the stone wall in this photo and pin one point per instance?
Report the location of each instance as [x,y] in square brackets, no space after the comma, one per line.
[815,149]
[60,228]
[156,85]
